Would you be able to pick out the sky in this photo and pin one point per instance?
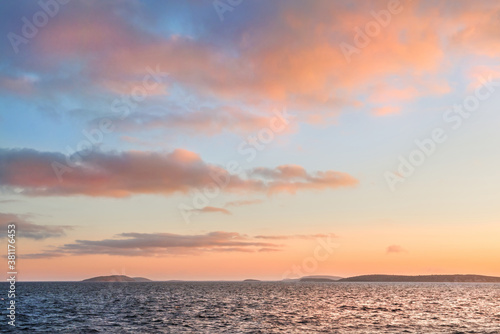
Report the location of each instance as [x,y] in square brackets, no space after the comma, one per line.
[224,140]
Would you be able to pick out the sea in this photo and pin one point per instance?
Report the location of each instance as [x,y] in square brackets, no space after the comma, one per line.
[254,307]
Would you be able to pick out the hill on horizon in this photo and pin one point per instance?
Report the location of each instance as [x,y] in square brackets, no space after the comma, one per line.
[424,278]
[320,278]
[116,278]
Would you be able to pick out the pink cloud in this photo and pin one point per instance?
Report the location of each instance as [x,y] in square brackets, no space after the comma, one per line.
[293,59]
[208,121]
[18,85]
[294,178]
[135,172]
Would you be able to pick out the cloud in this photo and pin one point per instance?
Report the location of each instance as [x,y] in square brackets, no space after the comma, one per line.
[9,201]
[17,85]
[243,202]
[297,236]
[164,244]
[478,30]
[26,229]
[211,209]
[202,121]
[394,249]
[292,56]
[293,178]
[281,172]
[268,250]
[387,110]
[44,255]
[122,174]
[159,244]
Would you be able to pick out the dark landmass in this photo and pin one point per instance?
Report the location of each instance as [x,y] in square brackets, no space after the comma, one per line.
[116,278]
[320,278]
[333,279]
[142,279]
[424,278]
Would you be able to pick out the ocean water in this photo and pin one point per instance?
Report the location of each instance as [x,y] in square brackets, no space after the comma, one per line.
[255,307]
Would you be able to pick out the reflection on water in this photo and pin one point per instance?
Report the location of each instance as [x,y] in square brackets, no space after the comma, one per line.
[257,307]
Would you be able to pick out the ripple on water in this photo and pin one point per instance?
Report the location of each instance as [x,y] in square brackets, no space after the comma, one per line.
[260,307]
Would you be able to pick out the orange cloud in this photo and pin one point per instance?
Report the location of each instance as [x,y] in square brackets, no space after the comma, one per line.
[476,27]
[387,110]
[292,178]
[294,58]
[395,249]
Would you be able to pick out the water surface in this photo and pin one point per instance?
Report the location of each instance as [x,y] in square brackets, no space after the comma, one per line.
[256,307]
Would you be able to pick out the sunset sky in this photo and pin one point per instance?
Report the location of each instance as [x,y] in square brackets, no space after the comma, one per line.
[228,139]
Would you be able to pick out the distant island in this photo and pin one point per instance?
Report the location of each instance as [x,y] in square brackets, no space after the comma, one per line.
[424,278]
[320,278]
[401,278]
[142,279]
[334,279]
[116,278]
